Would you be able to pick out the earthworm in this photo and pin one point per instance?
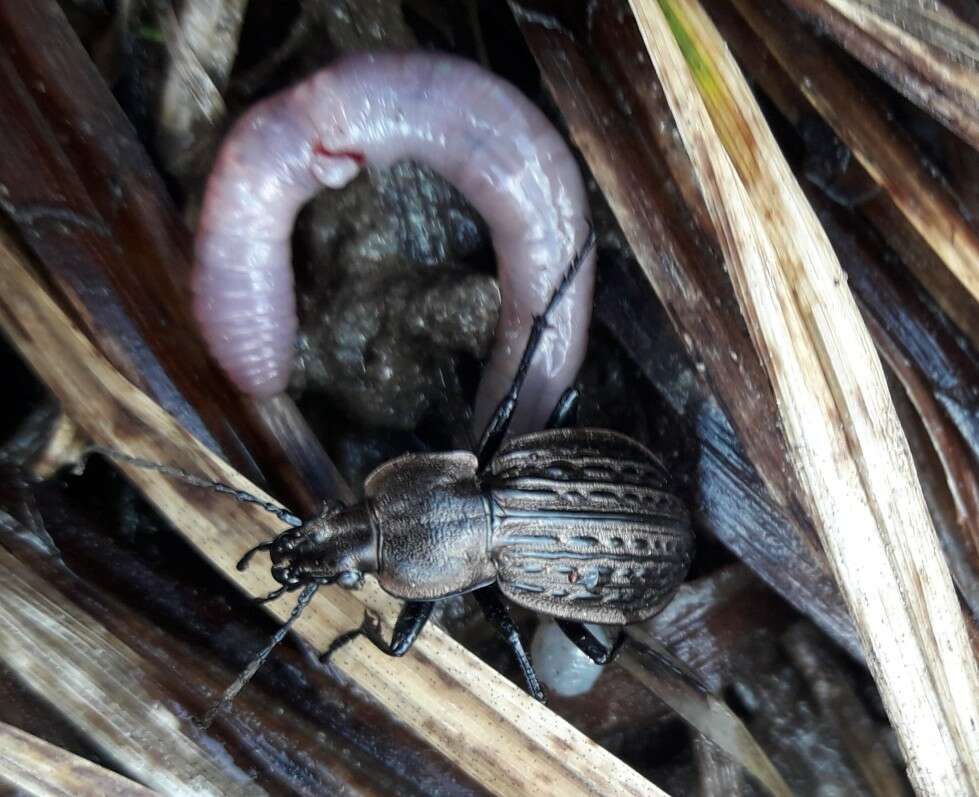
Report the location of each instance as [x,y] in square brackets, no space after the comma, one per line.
[373,109]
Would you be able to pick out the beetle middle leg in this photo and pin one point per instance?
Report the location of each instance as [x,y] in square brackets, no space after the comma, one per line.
[411,620]
[565,412]
[497,612]
[589,644]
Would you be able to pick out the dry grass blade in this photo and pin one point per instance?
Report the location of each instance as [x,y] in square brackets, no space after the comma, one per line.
[840,704]
[887,155]
[953,530]
[919,46]
[767,529]
[877,207]
[484,724]
[653,666]
[203,44]
[851,455]
[954,455]
[718,776]
[98,684]
[925,264]
[42,769]
[934,368]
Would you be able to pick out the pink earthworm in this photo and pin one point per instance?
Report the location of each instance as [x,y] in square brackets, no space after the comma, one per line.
[372,109]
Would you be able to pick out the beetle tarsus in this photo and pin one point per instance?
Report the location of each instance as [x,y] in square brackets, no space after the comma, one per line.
[272,595]
[498,613]
[341,641]
[589,644]
[412,618]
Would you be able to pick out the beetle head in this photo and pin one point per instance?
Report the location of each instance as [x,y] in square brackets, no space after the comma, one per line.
[338,546]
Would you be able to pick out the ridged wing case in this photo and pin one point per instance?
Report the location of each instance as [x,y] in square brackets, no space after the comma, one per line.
[584,527]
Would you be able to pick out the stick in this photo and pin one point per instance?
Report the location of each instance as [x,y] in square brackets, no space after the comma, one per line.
[920,47]
[41,768]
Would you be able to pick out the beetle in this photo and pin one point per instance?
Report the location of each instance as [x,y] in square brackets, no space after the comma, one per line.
[578,524]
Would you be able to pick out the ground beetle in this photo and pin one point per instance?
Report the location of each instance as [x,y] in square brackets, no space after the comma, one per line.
[574,523]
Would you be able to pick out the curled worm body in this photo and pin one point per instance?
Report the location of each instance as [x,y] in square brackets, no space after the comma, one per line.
[471,127]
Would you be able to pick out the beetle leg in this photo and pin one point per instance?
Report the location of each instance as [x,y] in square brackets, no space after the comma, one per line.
[498,424]
[565,412]
[272,595]
[589,644]
[339,642]
[262,546]
[497,612]
[411,620]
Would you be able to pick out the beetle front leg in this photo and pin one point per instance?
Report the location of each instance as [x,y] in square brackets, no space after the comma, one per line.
[496,611]
[411,620]
[589,644]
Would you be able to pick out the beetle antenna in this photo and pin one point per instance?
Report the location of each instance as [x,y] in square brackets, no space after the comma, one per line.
[259,659]
[498,424]
[198,481]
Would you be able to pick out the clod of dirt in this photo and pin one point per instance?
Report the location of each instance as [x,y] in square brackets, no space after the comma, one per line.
[386,300]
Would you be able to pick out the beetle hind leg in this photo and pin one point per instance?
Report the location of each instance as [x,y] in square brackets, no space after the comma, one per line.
[496,611]
[411,620]
[589,644]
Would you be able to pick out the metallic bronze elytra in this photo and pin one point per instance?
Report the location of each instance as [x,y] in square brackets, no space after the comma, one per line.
[574,523]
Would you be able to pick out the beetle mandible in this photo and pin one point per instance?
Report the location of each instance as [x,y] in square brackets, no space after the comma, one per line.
[573,523]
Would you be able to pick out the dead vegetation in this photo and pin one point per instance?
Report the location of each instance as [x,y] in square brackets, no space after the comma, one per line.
[789,265]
